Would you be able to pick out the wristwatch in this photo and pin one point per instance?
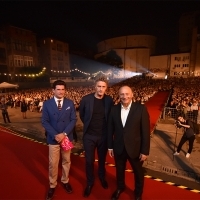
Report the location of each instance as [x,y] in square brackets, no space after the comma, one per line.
[65,133]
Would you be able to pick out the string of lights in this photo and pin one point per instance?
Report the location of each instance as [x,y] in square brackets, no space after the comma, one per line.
[89,74]
[55,71]
[26,74]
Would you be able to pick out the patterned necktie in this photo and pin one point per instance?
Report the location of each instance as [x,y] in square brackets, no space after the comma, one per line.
[59,105]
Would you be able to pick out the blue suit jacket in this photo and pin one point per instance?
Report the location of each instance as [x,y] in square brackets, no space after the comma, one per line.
[86,109]
[55,121]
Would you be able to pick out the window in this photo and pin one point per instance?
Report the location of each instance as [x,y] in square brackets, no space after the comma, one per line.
[28,61]
[53,47]
[18,61]
[59,47]
[60,66]
[2,54]
[60,56]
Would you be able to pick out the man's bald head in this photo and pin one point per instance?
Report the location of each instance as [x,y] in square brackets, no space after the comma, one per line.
[125,95]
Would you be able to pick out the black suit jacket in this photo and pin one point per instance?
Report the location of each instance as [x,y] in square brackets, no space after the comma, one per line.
[86,109]
[134,136]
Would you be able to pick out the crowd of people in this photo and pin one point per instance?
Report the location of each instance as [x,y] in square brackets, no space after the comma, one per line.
[185,95]
[186,98]
[143,90]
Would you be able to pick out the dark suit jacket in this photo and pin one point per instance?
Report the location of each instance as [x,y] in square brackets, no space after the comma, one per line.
[55,121]
[134,136]
[86,109]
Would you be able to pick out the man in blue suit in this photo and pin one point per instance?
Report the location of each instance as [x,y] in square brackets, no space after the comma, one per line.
[94,110]
[58,119]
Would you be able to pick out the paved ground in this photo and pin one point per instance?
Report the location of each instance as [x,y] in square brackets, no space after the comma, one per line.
[160,164]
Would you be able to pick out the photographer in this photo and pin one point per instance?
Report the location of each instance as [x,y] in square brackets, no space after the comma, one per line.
[189,134]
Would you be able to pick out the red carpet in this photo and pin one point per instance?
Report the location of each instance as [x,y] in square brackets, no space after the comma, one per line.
[24,172]
[155,106]
[24,175]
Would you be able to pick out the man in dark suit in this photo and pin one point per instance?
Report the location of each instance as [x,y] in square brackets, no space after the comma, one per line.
[128,139]
[58,119]
[94,110]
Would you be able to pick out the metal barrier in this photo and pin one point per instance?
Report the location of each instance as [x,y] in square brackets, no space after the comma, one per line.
[173,113]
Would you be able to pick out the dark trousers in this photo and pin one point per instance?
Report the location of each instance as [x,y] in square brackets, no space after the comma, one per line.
[136,164]
[91,143]
[5,116]
[183,140]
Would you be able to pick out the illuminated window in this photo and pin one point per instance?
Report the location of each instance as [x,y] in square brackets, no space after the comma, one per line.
[28,61]
[18,61]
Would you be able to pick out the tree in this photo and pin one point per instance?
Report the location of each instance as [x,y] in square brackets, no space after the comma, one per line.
[112,59]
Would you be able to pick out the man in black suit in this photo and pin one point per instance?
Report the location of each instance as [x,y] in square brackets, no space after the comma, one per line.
[128,139]
[94,110]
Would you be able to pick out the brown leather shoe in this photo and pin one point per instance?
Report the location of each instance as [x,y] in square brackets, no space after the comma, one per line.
[50,193]
[68,187]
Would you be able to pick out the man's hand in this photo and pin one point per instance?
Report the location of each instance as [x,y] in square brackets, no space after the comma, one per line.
[142,157]
[111,153]
[59,137]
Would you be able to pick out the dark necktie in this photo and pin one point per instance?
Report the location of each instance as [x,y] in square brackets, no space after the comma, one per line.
[59,105]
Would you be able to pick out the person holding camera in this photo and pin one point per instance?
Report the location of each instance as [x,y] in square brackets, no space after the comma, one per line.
[189,134]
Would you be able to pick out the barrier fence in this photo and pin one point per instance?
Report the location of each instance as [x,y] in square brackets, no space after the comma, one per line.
[172,113]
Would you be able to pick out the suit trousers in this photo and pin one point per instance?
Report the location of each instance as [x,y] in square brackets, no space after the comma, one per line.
[92,142]
[54,156]
[136,164]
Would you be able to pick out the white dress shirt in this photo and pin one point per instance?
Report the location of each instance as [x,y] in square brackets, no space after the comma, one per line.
[124,113]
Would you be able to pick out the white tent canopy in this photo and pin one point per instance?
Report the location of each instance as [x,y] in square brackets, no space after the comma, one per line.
[5,85]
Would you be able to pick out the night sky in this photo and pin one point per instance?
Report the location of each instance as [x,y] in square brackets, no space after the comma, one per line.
[85,23]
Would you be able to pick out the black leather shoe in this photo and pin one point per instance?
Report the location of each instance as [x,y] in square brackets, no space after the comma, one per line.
[50,193]
[68,187]
[138,197]
[104,183]
[116,194]
[87,190]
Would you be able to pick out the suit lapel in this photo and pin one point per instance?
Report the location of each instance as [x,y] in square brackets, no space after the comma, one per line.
[91,105]
[54,105]
[130,114]
[64,108]
[118,115]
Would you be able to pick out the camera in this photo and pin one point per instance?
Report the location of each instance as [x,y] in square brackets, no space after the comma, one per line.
[177,124]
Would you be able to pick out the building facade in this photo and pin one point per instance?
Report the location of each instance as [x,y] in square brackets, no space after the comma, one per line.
[3,57]
[187,22]
[159,66]
[21,50]
[54,55]
[134,51]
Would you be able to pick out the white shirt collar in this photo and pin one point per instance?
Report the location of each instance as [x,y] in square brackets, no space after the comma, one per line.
[127,108]
[56,99]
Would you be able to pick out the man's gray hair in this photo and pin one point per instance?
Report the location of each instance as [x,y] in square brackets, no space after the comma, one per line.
[101,78]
